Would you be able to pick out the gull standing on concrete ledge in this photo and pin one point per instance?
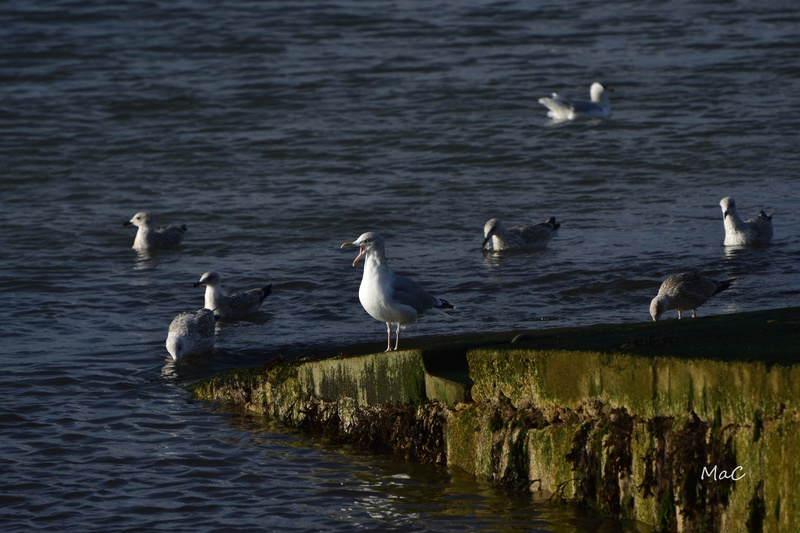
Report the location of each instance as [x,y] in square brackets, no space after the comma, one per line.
[560,108]
[234,304]
[744,232]
[498,237]
[386,296]
[149,237]
[191,334]
[685,292]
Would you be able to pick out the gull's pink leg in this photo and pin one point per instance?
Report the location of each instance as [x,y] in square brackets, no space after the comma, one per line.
[397,336]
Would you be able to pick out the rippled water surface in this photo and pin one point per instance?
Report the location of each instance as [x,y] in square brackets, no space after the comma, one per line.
[278,130]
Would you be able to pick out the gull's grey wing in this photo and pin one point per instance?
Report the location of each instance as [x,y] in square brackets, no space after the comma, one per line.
[245,299]
[536,233]
[171,235]
[205,324]
[762,227]
[409,292]
[583,106]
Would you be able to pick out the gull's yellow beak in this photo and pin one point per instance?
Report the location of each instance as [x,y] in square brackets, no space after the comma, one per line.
[360,252]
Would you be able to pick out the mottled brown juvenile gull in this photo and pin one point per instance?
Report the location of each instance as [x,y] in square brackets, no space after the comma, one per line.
[560,108]
[386,296]
[740,232]
[234,304]
[191,334]
[685,292]
[499,237]
[149,237]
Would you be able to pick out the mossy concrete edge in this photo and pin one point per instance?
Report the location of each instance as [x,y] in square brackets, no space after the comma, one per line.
[634,435]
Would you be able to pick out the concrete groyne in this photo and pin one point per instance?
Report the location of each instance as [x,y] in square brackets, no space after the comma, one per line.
[687,426]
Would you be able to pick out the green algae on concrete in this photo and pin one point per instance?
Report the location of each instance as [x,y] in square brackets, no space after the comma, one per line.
[394,377]
[643,421]
[646,386]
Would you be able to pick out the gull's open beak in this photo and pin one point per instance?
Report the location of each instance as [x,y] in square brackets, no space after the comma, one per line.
[360,251]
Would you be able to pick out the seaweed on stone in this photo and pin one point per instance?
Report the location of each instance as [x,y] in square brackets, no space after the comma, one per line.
[413,431]
[657,480]
[618,459]
[584,459]
[688,457]
[601,453]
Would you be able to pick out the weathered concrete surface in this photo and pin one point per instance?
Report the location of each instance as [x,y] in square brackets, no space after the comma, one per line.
[630,420]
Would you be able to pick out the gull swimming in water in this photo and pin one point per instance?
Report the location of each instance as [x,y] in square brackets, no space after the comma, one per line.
[191,333]
[149,237]
[744,232]
[499,237]
[234,304]
[386,296]
[560,108]
[685,292]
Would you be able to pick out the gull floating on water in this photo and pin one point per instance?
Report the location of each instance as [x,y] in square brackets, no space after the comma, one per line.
[149,237]
[498,237]
[234,304]
[744,232]
[560,108]
[191,333]
[386,296]
[685,292]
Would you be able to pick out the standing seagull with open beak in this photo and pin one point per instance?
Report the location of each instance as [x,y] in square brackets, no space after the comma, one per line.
[386,296]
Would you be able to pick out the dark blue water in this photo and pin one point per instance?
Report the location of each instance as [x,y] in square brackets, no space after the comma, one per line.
[278,130]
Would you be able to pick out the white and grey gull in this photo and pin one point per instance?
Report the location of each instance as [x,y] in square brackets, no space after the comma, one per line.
[738,232]
[499,237]
[234,304]
[685,292]
[191,333]
[561,108]
[150,237]
[386,296]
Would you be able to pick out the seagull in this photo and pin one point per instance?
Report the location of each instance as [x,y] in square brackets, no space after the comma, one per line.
[498,237]
[743,232]
[231,305]
[148,237]
[191,333]
[561,108]
[386,296]
[685,291]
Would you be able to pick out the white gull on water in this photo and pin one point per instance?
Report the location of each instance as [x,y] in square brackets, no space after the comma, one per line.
[386,296]
[149,237]
[234,304]
[752,231]
[560,108]
[191,333]
[498,237]
[685,292]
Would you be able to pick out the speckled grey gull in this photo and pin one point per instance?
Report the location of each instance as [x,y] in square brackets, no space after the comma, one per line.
[234,304]
[149,237]
[499,237]
[191,333]
[685,292]
[386,296]
[740,232]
